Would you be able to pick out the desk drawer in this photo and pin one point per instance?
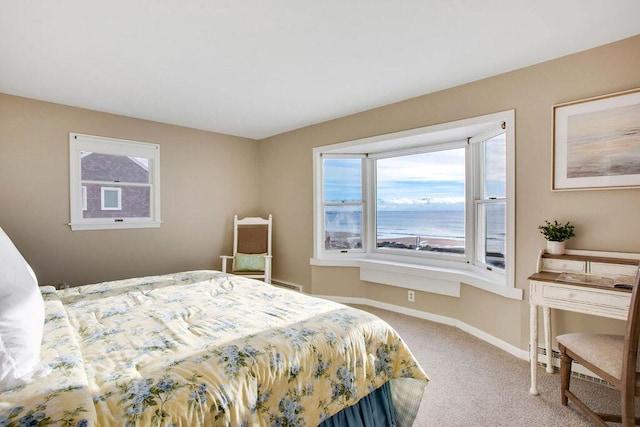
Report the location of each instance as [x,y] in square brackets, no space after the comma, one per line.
[563,265]
[584,296]
[608,303]
[613,269]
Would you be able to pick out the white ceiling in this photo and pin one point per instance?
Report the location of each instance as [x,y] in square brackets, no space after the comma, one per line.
[257,68]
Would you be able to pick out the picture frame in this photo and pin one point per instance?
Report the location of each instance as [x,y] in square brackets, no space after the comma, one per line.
[596,142]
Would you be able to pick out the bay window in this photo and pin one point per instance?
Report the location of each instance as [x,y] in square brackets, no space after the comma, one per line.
[434,203]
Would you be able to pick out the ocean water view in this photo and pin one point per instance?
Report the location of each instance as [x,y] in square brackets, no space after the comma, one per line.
[420,201]
[428,224]
[397,228]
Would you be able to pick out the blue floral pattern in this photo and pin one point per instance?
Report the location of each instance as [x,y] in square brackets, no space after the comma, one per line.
[63,397]
[204,348]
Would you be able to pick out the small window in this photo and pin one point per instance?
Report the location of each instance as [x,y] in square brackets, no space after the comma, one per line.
[110,199]
[114,183]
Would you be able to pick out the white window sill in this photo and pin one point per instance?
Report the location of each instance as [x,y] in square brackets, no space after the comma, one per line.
[111,225]
[426,278]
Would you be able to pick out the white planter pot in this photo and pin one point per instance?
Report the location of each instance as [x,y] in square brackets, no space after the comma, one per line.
[555,248]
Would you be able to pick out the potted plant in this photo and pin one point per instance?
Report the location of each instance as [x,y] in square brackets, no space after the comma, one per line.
[556,234]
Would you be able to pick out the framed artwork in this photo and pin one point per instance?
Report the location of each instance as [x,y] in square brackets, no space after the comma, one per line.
[596,142]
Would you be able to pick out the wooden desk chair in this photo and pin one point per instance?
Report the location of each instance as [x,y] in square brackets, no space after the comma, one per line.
[612,357]
[251,248]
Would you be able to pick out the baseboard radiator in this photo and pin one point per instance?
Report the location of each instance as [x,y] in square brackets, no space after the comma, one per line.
[577,371]
[286,285]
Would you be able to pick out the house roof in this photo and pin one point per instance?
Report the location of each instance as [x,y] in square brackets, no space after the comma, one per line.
[258,68]
[113,168]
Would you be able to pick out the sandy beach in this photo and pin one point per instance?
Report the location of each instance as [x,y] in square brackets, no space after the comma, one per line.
[343,240]
[431,241]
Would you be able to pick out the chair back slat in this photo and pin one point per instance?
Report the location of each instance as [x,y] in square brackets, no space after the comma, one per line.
[253,239]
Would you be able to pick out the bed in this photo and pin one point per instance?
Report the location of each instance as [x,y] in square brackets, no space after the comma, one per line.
[203,348]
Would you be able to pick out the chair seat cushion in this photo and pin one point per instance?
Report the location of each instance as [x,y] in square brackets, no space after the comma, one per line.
[602,350]
[248,273]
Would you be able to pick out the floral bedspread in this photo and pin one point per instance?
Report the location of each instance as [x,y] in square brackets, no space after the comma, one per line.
[207,348]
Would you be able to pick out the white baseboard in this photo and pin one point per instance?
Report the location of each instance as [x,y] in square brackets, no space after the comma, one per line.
[503,345]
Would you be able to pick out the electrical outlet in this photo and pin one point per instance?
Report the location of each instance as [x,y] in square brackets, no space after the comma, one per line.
[411,296]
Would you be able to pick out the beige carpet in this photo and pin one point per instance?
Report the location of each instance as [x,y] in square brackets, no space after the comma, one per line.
[476,384]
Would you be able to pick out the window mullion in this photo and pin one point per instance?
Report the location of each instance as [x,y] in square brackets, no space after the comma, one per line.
[123,183]
[368,179]
[343,203]
[473,187]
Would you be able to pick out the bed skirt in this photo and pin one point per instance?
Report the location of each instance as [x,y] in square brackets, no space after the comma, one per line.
[375,409]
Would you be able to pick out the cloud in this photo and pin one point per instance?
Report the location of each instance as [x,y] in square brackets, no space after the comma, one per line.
[446,165]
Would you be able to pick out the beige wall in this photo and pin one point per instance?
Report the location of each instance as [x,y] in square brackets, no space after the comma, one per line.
[605,220]
[205,179]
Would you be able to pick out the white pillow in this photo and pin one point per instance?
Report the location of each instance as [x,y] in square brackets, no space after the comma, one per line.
[21,319]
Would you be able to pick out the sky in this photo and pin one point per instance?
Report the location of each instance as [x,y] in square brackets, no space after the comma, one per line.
[421,181]
[428,181]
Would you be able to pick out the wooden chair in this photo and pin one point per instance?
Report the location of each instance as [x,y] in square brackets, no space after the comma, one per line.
[612,357]
[251,248]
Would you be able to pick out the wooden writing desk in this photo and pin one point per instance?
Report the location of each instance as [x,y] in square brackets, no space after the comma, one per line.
[547,290]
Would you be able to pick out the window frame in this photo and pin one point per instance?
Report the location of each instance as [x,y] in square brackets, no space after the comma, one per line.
[479,197]
[79,143]
[431,273]
[433,148]
[355,252]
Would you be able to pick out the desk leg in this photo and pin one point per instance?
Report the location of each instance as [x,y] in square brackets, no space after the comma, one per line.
[546,315]
[533,347]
